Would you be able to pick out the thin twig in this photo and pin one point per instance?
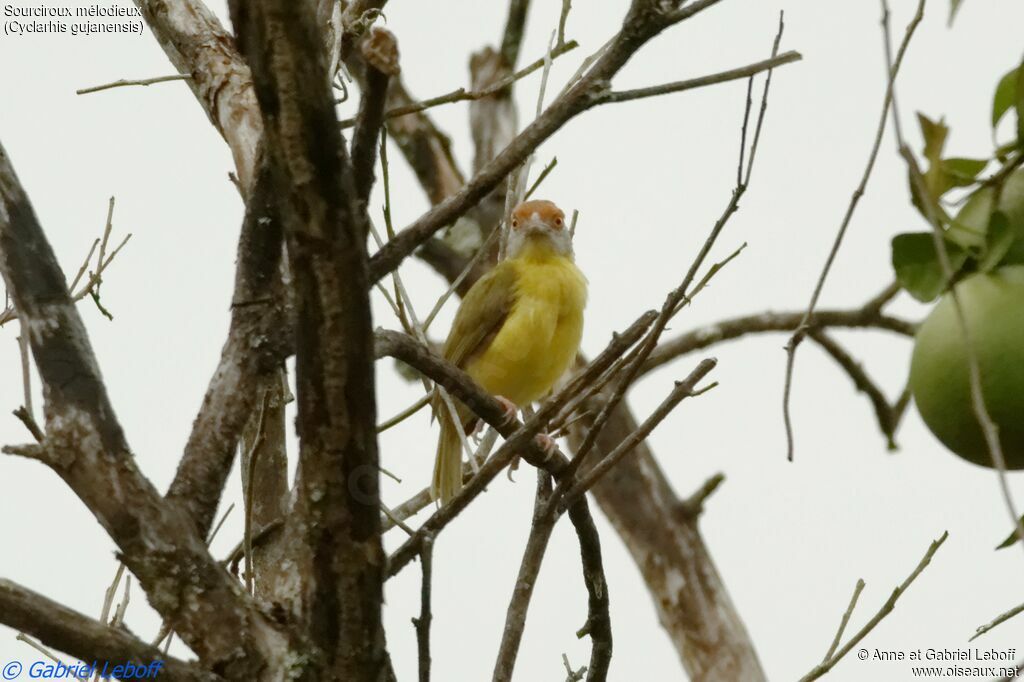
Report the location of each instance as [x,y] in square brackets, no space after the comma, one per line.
[618,96]
[543,524]
[250,475]
[462,95]
[801,330]
[683,389]
[22,637]
[884,412]
[26,376]
[124,83]
[887,608]
[422,623]
[404,414]
[540,178]
[30,423]
[998,620]
[857,589]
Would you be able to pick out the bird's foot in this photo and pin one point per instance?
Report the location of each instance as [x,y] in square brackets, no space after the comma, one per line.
[513,466]
[510,409]
[546,443]
[477,432]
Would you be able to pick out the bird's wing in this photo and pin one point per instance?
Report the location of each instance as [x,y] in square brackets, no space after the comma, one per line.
[481,315]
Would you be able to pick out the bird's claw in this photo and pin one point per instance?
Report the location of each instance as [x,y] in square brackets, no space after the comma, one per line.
[546,443]
[512,467]
[510,409]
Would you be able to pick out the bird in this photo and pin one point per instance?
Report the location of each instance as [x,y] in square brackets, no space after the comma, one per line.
[517,330]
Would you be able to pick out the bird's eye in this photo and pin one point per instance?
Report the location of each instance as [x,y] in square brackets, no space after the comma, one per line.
[515,222]
[558,222]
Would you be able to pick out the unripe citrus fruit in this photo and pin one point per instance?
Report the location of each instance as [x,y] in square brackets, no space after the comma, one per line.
[993,305]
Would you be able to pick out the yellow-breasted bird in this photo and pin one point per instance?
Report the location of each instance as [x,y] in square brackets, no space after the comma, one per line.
[518,328]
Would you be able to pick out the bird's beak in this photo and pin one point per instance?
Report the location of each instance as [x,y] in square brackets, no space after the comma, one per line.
[532,226]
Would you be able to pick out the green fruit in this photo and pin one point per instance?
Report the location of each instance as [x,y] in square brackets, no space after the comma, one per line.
[993,304]
[970,226]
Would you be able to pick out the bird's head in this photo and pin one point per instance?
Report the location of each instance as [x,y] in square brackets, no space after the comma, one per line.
[539,224]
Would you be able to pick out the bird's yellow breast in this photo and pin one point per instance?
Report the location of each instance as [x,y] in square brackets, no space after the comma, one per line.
[540,337]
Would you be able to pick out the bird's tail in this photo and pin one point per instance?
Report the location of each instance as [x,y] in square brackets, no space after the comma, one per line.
[448,465]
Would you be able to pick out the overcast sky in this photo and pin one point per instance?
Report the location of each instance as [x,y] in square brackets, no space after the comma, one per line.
[649,178]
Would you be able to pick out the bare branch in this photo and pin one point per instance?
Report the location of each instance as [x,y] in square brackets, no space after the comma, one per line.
[30,423]
[737,327]
[254,352]
[617,96]
[801,329]
[59,627]
[515,29]
[380,54]
[886,609]
[124,83]
[422,623]
[338,592]
[998,620]
[886,414]
[837,640]
[639,26]
[683,389]
[198,45]
[463,95]
[86,446]
[544,518]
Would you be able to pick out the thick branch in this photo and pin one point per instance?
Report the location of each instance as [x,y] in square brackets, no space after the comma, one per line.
[380,55]
[734,328]
[254,352]
[336,517]
[515,29]
[86,639]
[198,45]
[86,446]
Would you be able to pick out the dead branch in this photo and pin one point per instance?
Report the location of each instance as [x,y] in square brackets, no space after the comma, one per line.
[541,527]
[198,45]
[126,83]
[336,517]
[380,55]
[86,446]
[888,415]
[801,330]
[683,389]
[254,352]
[463,95]
[886,609]
[997,621]
[643,22]
[422,623]
[59,627]
[617,96]
[515,29]
[737,327]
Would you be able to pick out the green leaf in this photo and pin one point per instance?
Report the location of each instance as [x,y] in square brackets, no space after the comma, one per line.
[962,172]
[934,134]
[1011,540]
[1005,97]
[1020,107]
[998,240]
[917,264]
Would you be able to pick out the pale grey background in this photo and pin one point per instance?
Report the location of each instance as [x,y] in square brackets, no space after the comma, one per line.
[649,178]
